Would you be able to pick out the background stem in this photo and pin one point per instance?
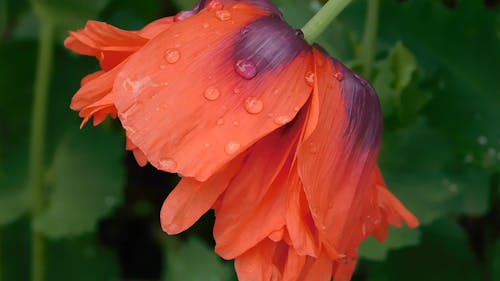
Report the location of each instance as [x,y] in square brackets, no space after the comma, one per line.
[320,21]
[370,37]
[37,142]
[1,255]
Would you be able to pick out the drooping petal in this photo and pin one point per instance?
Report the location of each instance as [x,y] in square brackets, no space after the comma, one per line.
[191,198]
[95,97]
[111,45]
[337,160]
[210,86]
[254,207]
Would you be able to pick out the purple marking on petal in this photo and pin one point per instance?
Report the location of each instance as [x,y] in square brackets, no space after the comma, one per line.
[268,43]
[365,121]
[182,15]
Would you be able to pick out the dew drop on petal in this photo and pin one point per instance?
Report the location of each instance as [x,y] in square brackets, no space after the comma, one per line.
[310,77]
[215,5]
[206,25]
[207,145]
[232,147]
[339,76]
[281,120]
[172,55]
[168,164]
[236,90]
[246,68]
[236,123]
[253,105]
[223,15]
[212,93]
[220,122]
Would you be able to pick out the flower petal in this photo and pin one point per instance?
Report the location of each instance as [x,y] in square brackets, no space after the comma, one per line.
[337,160]
[191,199]
[253,208]
[257,263]
[203,125]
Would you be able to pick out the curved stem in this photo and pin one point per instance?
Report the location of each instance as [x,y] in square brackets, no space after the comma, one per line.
[320,21]
[37,141]
[370,37]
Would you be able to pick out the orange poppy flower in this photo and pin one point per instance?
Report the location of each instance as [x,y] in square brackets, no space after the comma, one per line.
[277,137]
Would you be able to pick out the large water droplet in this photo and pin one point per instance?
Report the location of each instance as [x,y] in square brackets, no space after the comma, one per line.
[253,105]
[168,164]
[215,5]
[232,147]
[172,55]
[339,76]
[220,122]
[310,77]
[246,68]
[223,15]
[212,93]
[282,120]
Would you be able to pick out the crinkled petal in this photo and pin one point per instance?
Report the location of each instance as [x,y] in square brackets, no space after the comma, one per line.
[337,159]
[182,98]
[191,198]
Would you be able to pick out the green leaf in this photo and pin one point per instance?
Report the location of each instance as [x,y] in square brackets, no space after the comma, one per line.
[193,260]
[80,259]
[398,238]
[414,162]
[88,177]
[496,261]
[444,254]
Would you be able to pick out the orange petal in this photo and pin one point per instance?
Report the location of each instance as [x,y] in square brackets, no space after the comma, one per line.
[317,269]
[111,45]
[180,97]
[191,199]
[343,270]
[337,160]
[96,96]
[300,225]
[252,207]
[257,263]
[294,265]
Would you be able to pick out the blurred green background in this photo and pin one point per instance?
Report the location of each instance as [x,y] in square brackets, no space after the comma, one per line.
[436,69]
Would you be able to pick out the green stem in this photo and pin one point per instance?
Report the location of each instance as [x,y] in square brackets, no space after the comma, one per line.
[370,37]
[320,21]
[37,142]
[1,255]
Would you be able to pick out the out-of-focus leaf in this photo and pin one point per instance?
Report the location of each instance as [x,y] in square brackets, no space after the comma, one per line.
[185,4]
[88,178]
[394,75]
[3,15]
[496,261]
[444,254]
[15,250]
[398,238]
[413,161]
[473,187]
[193,260]
[80,259]
[13,204]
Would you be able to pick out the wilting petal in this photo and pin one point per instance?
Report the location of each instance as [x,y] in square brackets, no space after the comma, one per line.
[111,45]
[236,87]
[96,96]
[191,199]
[337,160]
[254,207]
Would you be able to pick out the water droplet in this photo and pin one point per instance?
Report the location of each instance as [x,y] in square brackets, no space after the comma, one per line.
[136,86]
[310,77]
[339,76]
[215,5]
[207,145]
[236,90]
[223,15]
[253,105]
[206,25]
[245,30]
[313,148]
[220,122]
[163,66]
[168,164]
[482,140]
[282,120]
[172,55]
[236,123]
[246,68]
[212,93]
[232,147]
[299,33]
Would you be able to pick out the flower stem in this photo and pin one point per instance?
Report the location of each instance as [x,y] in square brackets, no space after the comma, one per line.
[320,21]
[1,255]
[370,37]
[37,141]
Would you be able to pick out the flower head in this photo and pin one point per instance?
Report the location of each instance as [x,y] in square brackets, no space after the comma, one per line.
[279,138]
